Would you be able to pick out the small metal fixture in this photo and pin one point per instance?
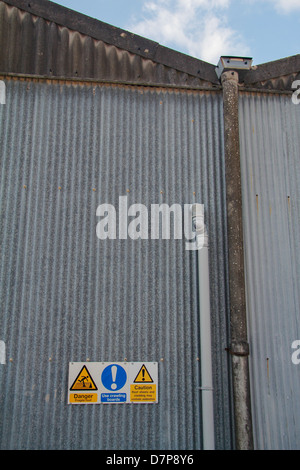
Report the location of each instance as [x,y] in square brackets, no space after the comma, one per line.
[233,63]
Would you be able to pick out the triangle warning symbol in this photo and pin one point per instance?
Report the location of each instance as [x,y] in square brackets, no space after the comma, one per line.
[84,381]
[143,376]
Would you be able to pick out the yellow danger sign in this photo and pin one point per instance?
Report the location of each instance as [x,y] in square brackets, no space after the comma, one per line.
[143,376]
[83,398]
[83,381]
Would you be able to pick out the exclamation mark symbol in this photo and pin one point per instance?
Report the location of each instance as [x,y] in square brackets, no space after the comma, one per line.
[143,373]
[114,376]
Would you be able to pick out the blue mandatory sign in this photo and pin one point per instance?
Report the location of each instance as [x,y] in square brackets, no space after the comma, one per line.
[114,377]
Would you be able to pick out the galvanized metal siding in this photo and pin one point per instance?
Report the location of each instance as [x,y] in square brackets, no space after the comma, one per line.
[270,154]
[67,296]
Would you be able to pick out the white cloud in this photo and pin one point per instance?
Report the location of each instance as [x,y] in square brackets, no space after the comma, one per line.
[218,39]
[286,6]
[197,27]
[281,6]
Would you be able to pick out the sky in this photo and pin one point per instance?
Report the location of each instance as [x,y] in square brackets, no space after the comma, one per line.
[265,30]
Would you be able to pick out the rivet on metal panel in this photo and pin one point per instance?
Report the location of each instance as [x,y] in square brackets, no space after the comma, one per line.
[24,186]
[87,359]
[161,192]
[94,189]
[194,194]
[50,359]
[10,359]
[59,187]
[162,359]
[123,35]
[128,190]
[160,102]
[125,359]
[146,51]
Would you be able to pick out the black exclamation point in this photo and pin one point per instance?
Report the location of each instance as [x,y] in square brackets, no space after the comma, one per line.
[143,372]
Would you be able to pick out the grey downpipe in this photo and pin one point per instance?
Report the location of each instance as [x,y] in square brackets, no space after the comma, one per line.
[206,388]
[239,348]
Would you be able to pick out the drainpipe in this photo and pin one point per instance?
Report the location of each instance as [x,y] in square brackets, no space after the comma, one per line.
[239,348]
[205,328]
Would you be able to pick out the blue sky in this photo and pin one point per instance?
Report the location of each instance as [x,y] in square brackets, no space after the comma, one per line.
[263,29]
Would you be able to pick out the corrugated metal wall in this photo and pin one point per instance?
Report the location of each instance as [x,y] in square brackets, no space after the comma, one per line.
[270,154]
[67,296]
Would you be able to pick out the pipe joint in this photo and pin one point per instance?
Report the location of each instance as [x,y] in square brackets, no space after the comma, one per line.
[239,348]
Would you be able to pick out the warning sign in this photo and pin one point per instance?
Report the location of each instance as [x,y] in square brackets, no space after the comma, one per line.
[142,393]
[143,376]
[112,383]
[83,398]
[83,381]
[144,384]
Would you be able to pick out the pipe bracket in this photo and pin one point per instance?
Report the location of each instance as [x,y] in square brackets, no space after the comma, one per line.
[240,349]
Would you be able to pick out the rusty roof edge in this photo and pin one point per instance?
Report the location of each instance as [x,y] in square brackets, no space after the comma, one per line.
[120,38]
[186,63]
[274,69]
[96,81]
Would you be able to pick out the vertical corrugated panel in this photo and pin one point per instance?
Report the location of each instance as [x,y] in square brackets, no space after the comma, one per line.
[270,143]
[68,296]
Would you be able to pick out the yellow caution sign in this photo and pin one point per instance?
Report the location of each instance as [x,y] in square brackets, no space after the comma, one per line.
[83,381]
[143,376]
[143,393]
